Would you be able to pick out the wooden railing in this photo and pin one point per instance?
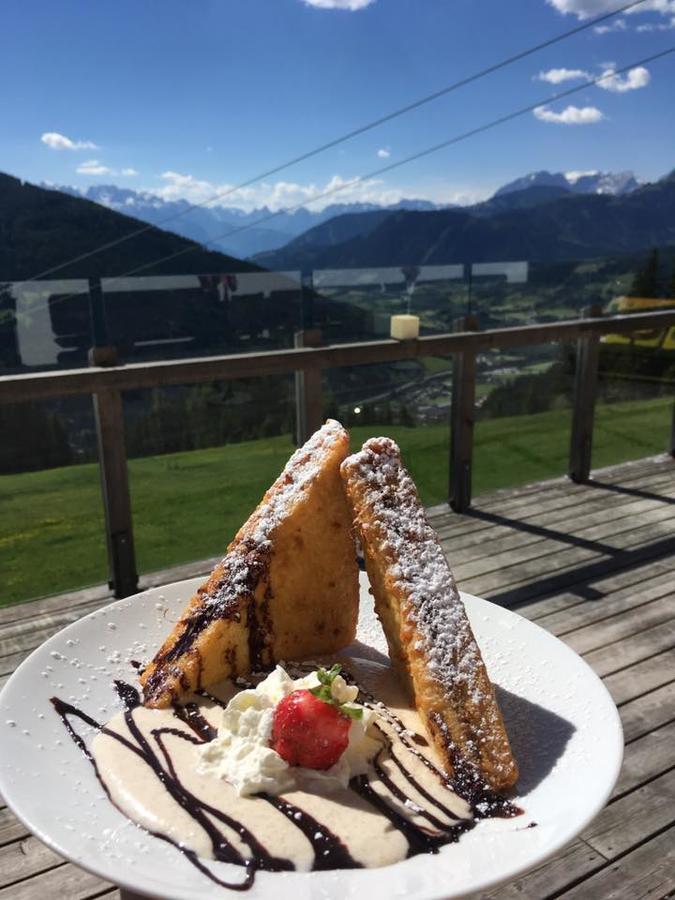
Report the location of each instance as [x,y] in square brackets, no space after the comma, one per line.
[106,384]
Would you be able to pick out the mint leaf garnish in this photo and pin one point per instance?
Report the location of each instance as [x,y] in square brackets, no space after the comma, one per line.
[324,692]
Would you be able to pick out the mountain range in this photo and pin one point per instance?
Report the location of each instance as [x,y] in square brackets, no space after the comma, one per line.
[543,223]
[615,183]
[220,226]
[40,229]
[233,230]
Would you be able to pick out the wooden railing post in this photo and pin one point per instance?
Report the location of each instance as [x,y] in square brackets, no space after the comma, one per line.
[671,442]
[583,410]
[462,416]
[112,459]
[112,456]
[308,392]
[101,352]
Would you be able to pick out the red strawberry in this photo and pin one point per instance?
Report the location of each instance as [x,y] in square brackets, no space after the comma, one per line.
[309,732]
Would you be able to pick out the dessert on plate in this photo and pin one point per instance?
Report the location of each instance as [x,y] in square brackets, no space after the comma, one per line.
[431,644]
[287,587]
[329,764]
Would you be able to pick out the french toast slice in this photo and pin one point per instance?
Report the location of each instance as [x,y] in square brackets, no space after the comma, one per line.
[287,587]
[430,640]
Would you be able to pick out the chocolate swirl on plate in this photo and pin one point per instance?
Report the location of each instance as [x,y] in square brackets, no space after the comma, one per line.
[416,804]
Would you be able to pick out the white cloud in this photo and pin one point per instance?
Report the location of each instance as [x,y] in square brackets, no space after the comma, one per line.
[384,153]
[633,80]
[285,194]
[587,9]
[665,7]
[352,5]
[583,9]
[93,167]
[571,115]
[60,142]
[616,25]
[557,76]
[657,26]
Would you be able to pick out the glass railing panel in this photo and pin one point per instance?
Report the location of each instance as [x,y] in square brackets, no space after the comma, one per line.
[636,388]
[357,304]
[52,537]
[200,459]
[44,325]
[523,403]
[178,316]
[408,401]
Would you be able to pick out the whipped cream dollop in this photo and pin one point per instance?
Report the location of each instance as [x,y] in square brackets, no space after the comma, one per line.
[241,753]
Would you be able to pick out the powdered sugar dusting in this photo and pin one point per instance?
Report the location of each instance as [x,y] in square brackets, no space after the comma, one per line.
[418,565]
[242,562]
[466,722]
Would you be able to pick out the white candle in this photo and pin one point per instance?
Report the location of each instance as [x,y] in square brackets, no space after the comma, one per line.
[405,328]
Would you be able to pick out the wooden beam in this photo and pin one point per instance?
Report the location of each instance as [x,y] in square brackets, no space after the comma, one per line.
[583,410]
[308,390]
[112,457]
[137,376]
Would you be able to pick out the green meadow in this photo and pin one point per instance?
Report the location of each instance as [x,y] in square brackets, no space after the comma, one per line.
[188,505]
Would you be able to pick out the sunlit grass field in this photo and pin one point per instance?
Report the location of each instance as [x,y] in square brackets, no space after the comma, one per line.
[188,505]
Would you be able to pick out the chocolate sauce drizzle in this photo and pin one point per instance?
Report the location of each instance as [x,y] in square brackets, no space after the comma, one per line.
[251,560]
[190,715]
[379,790]
[329,851]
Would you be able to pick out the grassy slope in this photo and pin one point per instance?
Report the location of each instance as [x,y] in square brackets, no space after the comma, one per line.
[188,505]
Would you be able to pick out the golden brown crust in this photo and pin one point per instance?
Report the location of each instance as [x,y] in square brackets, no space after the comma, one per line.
[286,589]
[430,639]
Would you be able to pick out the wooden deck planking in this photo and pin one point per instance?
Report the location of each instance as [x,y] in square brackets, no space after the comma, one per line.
[594,564]
[648,712]
[10,828]
[578,594]
[510,569]
[548,519]
[592,520]
[627,623]
[23,858]
[615,602]
[633,649]
[634,817]
[577,860]
[643,677]
[646,872]
[645,758]
[64,881]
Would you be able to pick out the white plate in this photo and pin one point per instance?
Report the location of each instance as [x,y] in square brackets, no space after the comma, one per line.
[563,725]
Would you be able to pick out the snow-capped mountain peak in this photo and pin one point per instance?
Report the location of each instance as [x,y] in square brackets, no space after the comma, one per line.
[222,227]
[577,182]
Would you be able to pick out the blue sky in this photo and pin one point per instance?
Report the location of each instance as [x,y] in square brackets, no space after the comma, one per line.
[184,98]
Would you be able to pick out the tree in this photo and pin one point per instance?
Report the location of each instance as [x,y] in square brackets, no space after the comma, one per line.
[646,280]
[33,437]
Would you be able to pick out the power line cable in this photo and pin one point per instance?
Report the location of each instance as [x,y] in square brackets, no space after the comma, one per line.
[363,129]
[456,139]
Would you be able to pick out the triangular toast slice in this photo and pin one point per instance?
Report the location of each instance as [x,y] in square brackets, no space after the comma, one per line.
[430,639]
[286,589]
